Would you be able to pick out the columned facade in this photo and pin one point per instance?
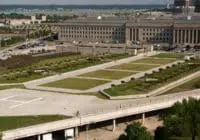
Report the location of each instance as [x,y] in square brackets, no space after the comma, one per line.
[186,36]
[127,31]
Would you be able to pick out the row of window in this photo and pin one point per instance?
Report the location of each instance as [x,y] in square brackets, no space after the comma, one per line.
[156,30]
[93,28]
[92,32]
[96,37]
[157,34]
[156,39]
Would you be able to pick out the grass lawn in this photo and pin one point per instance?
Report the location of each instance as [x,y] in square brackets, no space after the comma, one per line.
[11,86]
[21,79]
[109,74]
[155,61]
[76,83]
[190,85]
[162,77]
[22,68]
[136,67]
[170,55]
[7,123]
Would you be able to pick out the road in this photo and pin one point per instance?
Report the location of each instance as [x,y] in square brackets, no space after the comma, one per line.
[107,111]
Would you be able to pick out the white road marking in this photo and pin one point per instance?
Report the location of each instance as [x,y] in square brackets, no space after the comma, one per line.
[5,99]
[15,106]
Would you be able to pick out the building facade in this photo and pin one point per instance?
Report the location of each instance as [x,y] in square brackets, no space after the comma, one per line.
[187,6]
[126,31]
[94,31]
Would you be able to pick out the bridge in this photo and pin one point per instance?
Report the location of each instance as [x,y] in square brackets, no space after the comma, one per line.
[70,126]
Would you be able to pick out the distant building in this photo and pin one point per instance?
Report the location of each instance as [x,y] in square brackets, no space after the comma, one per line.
[2,24]
[33,20]
[170,31]
[182,3]
[197,4]
[187,6]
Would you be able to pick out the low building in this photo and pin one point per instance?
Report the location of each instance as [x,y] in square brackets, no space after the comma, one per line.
[32,20]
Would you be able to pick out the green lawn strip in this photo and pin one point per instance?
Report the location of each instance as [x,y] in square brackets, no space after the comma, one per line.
[76,83]
[170,55]
[20,78]
[155,61]
[107,74]
[11,86]
[163,77]
[14,122]
[53,66]
[136,67]
[190,85]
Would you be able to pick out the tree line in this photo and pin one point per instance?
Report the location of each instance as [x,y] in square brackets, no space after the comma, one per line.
[181,122]
[11,41]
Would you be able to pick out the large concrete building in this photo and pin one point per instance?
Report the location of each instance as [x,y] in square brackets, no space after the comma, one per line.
[170,31]
[187,6]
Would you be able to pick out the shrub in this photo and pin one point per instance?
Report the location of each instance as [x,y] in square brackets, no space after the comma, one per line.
[112,85]
[132,78]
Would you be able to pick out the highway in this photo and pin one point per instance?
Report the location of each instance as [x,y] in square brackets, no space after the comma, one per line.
[139,107]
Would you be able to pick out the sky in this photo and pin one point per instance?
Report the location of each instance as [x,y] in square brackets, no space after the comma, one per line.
[60,2]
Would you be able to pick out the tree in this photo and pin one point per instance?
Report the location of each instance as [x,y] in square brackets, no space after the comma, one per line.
[184,119]
[1,135]
[136,132]
[161,134]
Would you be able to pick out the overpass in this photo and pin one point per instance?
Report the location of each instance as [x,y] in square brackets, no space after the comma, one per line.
[69,126]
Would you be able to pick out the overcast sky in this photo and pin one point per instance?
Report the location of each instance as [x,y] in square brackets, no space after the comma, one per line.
[82,1]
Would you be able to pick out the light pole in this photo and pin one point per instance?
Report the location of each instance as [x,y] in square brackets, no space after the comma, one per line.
[87,128]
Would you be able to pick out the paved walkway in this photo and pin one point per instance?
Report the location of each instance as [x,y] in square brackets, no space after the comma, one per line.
[145,64]
[11,84]
[122,70]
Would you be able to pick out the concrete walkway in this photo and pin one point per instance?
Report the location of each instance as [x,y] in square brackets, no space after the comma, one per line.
[11,84]
[145,64]
[122,70]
